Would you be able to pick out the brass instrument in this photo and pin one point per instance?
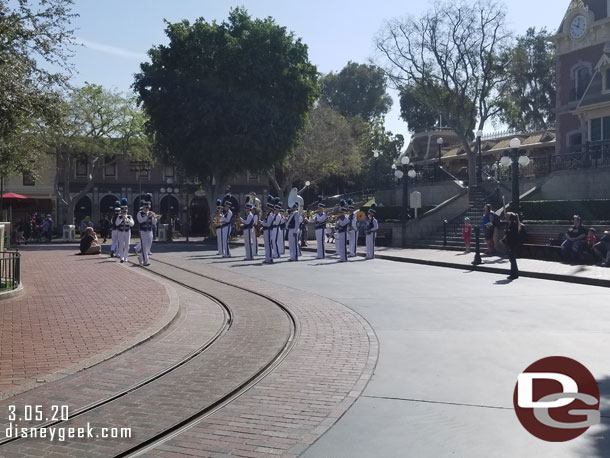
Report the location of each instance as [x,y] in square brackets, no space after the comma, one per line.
[215,223]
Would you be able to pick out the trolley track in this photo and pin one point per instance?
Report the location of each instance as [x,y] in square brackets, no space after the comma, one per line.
[212,407]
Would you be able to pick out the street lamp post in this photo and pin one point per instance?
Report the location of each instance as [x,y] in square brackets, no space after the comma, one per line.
[439,142]
[479,134]
[405,172]
[515,159]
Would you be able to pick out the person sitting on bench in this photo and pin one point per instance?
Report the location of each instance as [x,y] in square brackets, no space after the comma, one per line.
[575,241]
[602,249]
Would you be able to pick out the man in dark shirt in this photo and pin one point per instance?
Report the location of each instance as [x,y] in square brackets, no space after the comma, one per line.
[88,243]
[575,241]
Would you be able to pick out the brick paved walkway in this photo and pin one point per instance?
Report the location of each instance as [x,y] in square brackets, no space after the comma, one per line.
[74,312]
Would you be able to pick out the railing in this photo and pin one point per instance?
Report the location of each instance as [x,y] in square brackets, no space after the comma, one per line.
[592,155]
[10,270]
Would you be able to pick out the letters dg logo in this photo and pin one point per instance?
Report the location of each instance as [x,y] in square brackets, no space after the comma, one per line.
[557,399]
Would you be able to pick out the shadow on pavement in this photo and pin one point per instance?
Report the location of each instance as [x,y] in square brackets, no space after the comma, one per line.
[601,442]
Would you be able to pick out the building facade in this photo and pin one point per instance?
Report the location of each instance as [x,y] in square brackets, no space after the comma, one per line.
[583,75]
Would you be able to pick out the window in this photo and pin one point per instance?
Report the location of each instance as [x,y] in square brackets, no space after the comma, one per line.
[81,168]
[575,139]
[583,77]
[607,79]
[110,166]
[168,171]
[599,129]
[28,179]
[253,177]
[143,174]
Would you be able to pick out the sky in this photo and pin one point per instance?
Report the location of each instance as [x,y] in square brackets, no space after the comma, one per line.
[117,34]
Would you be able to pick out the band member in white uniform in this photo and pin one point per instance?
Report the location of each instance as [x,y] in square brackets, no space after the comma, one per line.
[225,228]
[267,224]
[371,232]
[114,234]
[123,223]
[147,220]
[248,227]
[254,226]
[320,226]
[341,227]
[294,229]
[282,232]
[352,229]
[218,231]
[275,228]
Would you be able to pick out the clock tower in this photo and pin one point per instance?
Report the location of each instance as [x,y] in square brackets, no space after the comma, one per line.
[582,45]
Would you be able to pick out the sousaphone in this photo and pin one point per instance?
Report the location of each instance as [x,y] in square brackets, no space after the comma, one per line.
[294,197]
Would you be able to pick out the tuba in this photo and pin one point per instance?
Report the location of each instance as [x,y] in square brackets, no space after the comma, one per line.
[294,197]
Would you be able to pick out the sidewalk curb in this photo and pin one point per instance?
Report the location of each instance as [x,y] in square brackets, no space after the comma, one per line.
[480,268]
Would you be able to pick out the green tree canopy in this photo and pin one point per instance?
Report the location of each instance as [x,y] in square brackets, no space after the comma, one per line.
[229,97]
[357,90]
[527,98]
[95,126]
[331,145]
[416,114]
[34,38]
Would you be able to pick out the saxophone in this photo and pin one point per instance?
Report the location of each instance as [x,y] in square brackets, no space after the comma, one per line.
[214,224]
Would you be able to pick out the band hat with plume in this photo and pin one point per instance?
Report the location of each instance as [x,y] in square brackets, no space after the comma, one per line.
[249,203]
[373,209]
[218,204]
[270,201]
[343,205]
[350,204]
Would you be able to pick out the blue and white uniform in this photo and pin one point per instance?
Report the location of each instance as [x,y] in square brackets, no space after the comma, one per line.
[248,226]
[320,226]
[267,224]
[294,230]
[341,227]
[352,233]
[146,221]
[371,233]
[123,223]
[225,229]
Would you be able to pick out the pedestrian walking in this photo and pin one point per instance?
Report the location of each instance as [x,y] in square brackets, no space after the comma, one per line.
[513,239]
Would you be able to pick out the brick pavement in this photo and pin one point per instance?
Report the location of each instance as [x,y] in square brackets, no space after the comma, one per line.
[198,321]
[74,312]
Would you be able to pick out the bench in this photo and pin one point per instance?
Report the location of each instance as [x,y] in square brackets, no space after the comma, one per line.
[544,242]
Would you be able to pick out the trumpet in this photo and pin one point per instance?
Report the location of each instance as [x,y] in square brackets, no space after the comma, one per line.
[214,224]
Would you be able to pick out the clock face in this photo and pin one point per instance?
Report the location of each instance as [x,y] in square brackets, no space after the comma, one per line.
[577,27]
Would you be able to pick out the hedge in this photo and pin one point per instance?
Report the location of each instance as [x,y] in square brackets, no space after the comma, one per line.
[589,210]
[394,213]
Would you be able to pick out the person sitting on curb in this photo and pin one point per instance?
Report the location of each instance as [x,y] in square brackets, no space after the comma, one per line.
[89,243]
[575,241]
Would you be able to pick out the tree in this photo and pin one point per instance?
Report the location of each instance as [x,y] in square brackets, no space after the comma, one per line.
[226,98]
[34,36]
[331,145]
[357,90]
[96,126]
[454,56]
[527,98]
[383,149]
[415,113]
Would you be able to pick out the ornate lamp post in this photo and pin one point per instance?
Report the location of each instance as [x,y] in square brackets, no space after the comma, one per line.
[516,159]
[409,171]
[479,134]
[439,142]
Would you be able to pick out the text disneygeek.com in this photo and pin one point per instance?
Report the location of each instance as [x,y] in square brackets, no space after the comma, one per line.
[60,434]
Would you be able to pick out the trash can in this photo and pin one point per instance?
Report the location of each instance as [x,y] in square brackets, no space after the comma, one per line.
[163,232]
[69,232]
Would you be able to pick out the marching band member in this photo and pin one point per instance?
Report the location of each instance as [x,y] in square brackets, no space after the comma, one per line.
[352,229]
[282,232]
[267,224]
[114,234]
[147,220]
[217,222]
[341,227]
[294,228]
[124,223]
[248,227]
[225,228]
[371,232]
[254,229]
[275,228]
[320,224]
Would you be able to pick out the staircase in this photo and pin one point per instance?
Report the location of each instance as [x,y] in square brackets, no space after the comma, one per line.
[478,199]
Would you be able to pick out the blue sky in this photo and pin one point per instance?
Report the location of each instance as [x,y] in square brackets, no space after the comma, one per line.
[117,34]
